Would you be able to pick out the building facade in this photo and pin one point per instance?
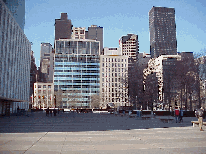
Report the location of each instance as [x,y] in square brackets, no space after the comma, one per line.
[43,95]
[113,78]
[112,51]
[33,74]
[129,45]
[15,59]
[63,27]
[45,48]
[95,33]
[47,61]
[79,33]
[17,8]
[162,31]
[161,72]
[76,71]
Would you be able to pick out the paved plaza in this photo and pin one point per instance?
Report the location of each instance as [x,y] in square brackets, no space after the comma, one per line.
[97,133]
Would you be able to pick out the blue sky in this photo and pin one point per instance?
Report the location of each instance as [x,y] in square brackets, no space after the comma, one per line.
[118,18]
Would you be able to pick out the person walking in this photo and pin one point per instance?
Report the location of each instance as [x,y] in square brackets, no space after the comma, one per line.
[51,112]
[176,114]
[199,115]
[181,115]
[17,110]
[47,111]
[54,111]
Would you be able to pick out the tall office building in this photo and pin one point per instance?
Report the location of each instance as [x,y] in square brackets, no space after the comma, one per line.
[47,66]
[46,48]
[17,8]
[47,61]
[76,71]
[129,45]
[162,31]
[15,61]
[63,27]
[95,33]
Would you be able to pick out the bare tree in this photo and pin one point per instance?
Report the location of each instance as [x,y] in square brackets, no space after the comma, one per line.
[95,101]
[58,98]
[189,82]
[170,83]
[200,67]
[151,90]
[135,82]
[68,99]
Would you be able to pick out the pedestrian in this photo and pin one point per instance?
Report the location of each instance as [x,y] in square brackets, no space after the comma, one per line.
[176,114]
[58,110]
[181,115]
[18,110]
[199,115]
[47,111]
[51,112]
[54,111]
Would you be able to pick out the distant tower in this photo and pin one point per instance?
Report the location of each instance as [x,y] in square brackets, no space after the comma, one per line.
[95,33]
[45,48]
[162,31]
[46,61]
[63,27]
[129,45]
[78,33]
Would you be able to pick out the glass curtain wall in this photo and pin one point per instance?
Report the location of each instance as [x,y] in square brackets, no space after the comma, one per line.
[76,72]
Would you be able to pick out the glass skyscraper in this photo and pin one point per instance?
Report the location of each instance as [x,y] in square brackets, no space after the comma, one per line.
[76,71]
[17,8]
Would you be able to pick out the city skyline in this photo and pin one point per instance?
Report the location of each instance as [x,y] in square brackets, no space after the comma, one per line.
[117,19]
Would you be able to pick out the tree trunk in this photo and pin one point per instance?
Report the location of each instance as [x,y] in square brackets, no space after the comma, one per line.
[199,99]
[181,102]
[186,98]
[190,102]
[169,103]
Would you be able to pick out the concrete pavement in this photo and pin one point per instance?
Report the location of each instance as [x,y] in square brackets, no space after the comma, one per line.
[95,133]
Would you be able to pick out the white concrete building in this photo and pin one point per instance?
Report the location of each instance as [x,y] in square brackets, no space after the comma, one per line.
[112,51]
[113,78]
[43,95]
[78,33]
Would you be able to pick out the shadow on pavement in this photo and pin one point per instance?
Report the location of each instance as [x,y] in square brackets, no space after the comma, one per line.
[73,122]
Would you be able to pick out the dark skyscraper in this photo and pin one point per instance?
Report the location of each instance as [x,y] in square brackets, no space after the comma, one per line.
[63,27]
[95,33]
[162,31]
[17,8]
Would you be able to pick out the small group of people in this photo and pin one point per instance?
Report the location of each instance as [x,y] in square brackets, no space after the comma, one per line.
[178,114]
[199,113]
[49,111]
